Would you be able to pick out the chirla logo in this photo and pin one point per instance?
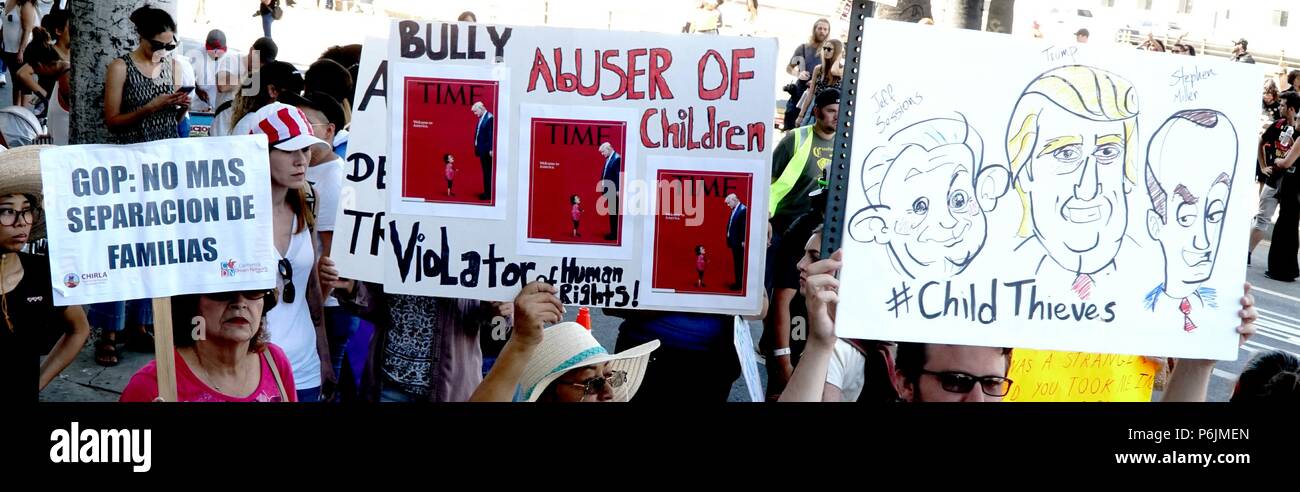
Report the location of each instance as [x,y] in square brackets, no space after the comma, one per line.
[71,280]
[76,445]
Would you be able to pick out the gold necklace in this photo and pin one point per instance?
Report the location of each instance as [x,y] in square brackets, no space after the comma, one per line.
[4,295]
[207,376]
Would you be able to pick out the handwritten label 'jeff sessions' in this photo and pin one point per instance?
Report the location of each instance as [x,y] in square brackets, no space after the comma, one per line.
[1185,82]
[889,109]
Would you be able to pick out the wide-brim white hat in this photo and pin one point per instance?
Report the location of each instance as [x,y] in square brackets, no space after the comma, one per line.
[568,346]
[20,173]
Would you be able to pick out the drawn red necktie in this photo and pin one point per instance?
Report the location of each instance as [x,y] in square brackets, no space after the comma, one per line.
[1186,308]
[1082,286]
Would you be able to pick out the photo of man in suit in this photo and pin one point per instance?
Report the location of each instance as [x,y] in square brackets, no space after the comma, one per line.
[737,230]
[609,184]
[484,136]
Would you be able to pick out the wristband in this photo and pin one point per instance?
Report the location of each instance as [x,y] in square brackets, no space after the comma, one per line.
[781,351]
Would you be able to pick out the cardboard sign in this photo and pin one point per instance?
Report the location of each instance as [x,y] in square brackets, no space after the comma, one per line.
[159,219]
[1086,200]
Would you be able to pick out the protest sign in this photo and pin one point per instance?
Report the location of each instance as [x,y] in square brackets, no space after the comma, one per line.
[1086,200]
[1044,375]
[158,219]
[745,353]
[513,154]
[359,231]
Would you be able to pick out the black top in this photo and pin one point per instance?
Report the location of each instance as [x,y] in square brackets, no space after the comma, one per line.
[1272,149]
[36,328]
[797,202]
[268,8]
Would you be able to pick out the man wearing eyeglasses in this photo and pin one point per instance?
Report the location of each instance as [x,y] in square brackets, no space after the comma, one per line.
[954,373]
[922,372]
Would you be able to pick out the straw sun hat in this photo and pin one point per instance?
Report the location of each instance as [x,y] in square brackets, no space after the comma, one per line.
[568,346]
[20,173]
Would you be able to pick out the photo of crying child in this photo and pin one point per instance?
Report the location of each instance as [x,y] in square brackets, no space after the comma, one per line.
[700,263]
[576,213]
[450,172]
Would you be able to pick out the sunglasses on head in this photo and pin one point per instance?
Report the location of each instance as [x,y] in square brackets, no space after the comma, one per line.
[960,382]
[251,295]
[286,273]
[161,46]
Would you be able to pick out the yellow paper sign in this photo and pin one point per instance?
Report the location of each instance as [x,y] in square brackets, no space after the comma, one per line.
[1043,375]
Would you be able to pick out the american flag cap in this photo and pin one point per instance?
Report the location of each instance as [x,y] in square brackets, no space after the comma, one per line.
[285,127]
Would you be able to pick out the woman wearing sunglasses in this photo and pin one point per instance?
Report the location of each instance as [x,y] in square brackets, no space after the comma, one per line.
[297,323]
[827,74]
[563,363]
[223,352]
[142,102]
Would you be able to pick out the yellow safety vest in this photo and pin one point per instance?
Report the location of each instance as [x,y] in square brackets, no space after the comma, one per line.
[803,139]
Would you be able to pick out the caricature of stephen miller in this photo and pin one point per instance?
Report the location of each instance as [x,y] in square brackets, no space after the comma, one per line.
[1197,152]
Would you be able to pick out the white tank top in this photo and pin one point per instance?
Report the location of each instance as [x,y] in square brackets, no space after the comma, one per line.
[290,324]
[13,29]
[58,118]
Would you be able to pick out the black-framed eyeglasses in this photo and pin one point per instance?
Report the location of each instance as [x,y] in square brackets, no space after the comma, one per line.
[286,273]
[595,385]
[251,295]
[960,382]
[9,216]
[161,46]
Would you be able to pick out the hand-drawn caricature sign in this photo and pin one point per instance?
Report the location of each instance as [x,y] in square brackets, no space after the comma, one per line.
[1124,166]
[928,192]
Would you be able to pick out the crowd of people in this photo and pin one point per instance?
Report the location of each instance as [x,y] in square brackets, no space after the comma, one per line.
[318,337]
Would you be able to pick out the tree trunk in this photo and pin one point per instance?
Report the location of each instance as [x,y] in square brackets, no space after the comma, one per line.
[102,32]
[906,11]
[966,14]
[1001,16]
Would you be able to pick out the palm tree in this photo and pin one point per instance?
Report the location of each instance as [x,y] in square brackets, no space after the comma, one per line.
[103,32]
[1001,16]
[967,14]
[906,11]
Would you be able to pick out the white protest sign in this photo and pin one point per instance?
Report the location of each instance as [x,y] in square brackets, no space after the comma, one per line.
[507,156]
[1090,198]
[359,245]
[744,342]
[172,217]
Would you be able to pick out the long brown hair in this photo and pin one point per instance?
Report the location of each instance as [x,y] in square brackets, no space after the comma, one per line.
[823,70]
[40,50]
[812,37]
[303,202]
